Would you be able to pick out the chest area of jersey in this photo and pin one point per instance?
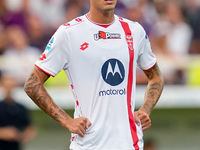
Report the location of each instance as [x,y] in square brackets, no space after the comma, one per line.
[103,52]
[100,42]
[96,46]
[99,38]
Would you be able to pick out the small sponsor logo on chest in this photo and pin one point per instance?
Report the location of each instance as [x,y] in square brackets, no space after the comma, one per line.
[106,35]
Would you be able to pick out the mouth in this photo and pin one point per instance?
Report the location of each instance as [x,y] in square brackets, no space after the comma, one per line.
[109,1]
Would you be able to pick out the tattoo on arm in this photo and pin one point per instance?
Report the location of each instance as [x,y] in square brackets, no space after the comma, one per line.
[152,72]
[32,87]
[154,88]
[35,89]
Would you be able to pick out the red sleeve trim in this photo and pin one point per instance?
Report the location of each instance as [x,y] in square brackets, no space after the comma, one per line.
[150,68]
[44,71]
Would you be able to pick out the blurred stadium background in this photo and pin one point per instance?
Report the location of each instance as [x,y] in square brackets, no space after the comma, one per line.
[173,27]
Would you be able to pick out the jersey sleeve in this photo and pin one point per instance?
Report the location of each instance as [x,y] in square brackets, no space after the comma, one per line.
[56,54]
[146,59]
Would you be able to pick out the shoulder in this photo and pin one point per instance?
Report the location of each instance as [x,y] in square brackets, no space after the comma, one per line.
[73,23]
[132,24]
[135,27]
[70,27]
[122,19]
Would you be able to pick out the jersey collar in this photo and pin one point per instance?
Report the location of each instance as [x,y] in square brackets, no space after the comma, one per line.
[102,25]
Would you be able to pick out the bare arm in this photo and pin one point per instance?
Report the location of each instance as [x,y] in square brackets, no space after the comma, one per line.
[154,89]
[34,87]
[27,134]
[9,133]
[152,94]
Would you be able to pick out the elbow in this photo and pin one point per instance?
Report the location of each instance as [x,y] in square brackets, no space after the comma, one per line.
[28,88]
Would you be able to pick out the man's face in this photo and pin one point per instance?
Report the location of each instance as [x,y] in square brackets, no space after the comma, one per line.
[103,5]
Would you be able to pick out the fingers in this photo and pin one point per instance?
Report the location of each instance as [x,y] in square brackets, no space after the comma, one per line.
[88,124]
[137,119]
[10,133]
[143,118]
[145,121]
[79,125]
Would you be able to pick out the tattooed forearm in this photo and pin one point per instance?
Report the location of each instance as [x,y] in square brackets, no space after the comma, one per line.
[63,113]
[153,93]
[35,89]
[154,71]
[154,88]
[32,87]
[55,111]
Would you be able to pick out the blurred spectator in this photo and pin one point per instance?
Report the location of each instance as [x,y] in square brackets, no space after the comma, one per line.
[176,32]
[193,14]
[19,57]
[50,12]
[171,39]
[160,6]
[120,8]
[75,8]
[38,35]
[180,35]
[3,40]
[15,124]
[13,16]
[143,12]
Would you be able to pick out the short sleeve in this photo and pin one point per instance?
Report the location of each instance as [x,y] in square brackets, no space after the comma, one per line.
[56,54]
[146,58]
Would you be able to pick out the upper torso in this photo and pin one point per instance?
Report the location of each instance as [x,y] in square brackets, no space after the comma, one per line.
[97,62]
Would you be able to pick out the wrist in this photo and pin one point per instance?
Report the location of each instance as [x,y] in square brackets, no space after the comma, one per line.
[147,111]
[66,122]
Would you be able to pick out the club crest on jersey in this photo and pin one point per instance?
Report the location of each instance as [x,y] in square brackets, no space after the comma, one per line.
[50,44]
[129,40]
[106,35]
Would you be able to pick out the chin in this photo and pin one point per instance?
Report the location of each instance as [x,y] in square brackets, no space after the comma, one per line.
[109,8]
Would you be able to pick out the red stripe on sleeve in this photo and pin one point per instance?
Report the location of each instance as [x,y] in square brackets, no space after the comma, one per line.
[44,71]
[150,68]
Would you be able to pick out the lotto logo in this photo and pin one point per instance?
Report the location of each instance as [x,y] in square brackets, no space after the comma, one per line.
[84,46]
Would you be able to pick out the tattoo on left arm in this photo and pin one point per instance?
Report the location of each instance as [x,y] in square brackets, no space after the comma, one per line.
[154,88]
[36,91]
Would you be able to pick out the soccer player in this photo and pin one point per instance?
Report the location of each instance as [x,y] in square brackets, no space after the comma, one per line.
[99,53]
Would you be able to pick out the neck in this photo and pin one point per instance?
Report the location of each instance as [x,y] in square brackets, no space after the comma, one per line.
[101,17]
[9,99]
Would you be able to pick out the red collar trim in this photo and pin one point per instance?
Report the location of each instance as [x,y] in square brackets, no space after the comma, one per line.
[102,25]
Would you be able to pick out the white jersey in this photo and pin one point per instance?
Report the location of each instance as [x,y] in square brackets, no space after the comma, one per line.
[100,61]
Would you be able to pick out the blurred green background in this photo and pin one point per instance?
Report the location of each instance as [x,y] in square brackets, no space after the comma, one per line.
[172,129]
